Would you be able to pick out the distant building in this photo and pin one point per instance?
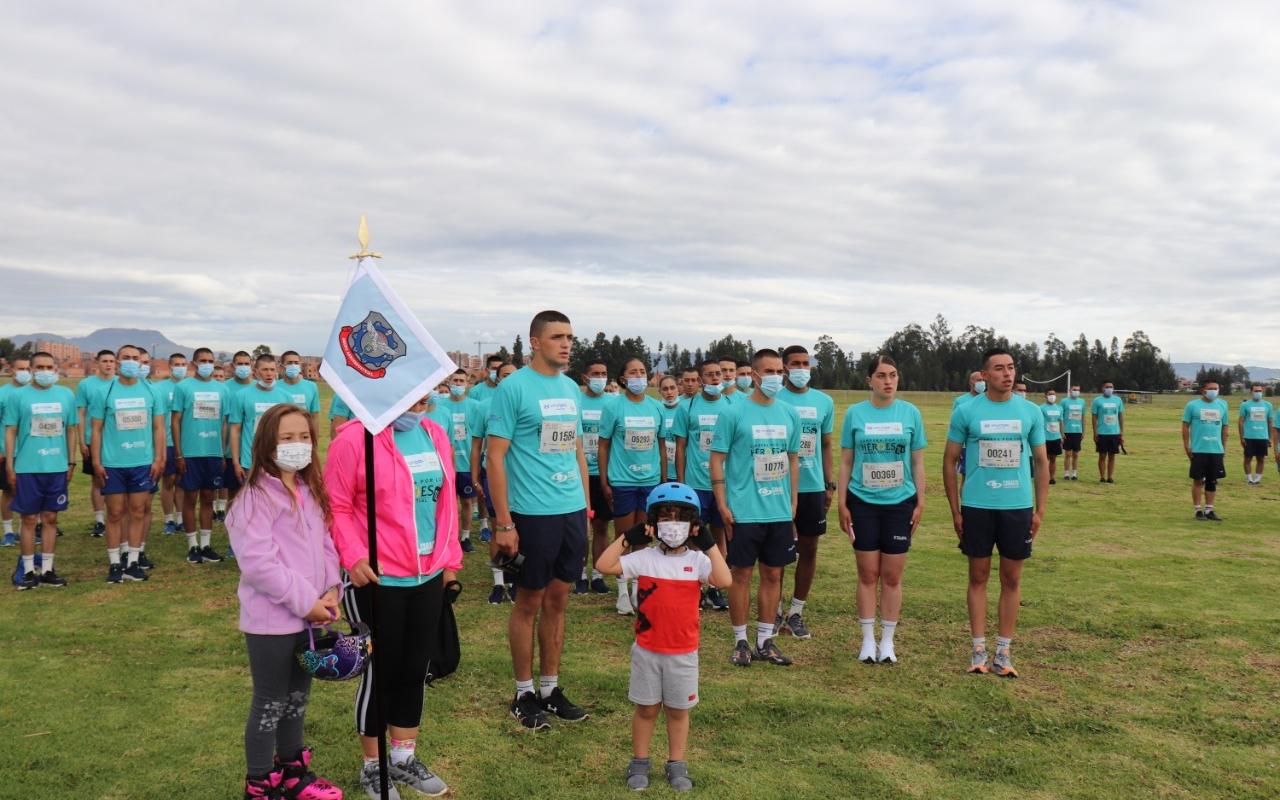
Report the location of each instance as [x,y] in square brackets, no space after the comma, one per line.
[311,367]
[62,352]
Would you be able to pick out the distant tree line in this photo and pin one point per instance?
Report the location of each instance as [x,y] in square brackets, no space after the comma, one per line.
[1224,377]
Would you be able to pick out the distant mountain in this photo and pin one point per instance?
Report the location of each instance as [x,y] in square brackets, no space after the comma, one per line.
[112,339]
[1188,369]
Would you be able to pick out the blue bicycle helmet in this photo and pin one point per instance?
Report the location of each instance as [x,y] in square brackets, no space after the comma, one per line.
[675,493]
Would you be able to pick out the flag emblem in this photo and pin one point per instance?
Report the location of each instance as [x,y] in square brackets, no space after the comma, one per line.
[370,346]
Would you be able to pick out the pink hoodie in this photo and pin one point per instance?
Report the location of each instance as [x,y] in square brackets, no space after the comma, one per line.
[397,532]
[285,555]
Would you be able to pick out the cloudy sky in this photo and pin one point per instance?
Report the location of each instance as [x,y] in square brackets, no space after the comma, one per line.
[675,170]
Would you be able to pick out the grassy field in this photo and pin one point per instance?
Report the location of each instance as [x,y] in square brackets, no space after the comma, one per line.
[1147,646]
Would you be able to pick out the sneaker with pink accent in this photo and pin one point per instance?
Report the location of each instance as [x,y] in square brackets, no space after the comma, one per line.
[298,782]
[262,788]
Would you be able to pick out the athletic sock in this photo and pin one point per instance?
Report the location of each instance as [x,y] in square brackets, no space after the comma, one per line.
[28,564]
[980,641]
[46,563]
[168,518]
[498,578]
[370,761]
[596,575]
[205,538]
[484,523]
[887,628]
[584,574]
[547,684]
[764,632]
[1208,507]
[524,686]
[8,527]
[113,555]
[797,607]
[868,630]
[192,540]
[99,517]
[739,633]
[622,587]
[131,553]
[402,750]
[1003,642]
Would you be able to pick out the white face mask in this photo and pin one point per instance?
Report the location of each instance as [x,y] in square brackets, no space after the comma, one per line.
[1051,398]
[293,456]
[673,533]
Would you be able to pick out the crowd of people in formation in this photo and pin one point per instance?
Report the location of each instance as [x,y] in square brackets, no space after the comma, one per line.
[731,470]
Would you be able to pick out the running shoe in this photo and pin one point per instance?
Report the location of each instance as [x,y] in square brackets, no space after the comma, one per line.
[135,572]
[230,553]
[170,528]
[741,654]
[794,624]
[1200,515]
[511,592]
[624,604]
[978,661]
[467,546]
[718,599]
[371,782]
[1212,516]
[705,602]
[193,556]
[678,776]
[115,573]
[207,553]
[297,781]
[414,774]
[9,540]
[1002,664]
[886,654]
[528,711]
[599,586]
[99,530]
[868,653]
[50,578]
[770,652]
[497,595]
[1053,482]
[559,705]
[581,586]
[638,774]
[145,562]
[485,534]
[29,581]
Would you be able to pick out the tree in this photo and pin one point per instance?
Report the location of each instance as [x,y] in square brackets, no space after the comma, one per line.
[1240,375]
[517,352]
[261,349]
[729,347]
[830,365]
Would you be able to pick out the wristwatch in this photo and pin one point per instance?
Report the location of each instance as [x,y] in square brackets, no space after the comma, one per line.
[504,528]
[831,486]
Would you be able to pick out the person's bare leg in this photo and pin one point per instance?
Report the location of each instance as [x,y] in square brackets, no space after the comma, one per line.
[979,573]
[677,732]
[1010,595]
[520,631]
[551,626]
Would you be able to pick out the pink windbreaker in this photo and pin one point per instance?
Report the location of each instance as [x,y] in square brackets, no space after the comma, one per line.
[397,531]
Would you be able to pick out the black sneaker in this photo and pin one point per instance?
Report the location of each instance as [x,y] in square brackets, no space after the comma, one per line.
[207,553]
[29,581]
[741,654]
[1199,515]
[770,652]
[498,595]
[1053,482]
[581,586]
[135,573]
[145,562]
[706,603]
[99,530]
[718,599]
[1212,517]
[115,573]
[556,703]
[528,711]
[193,556]
[1111,480]
[467,546]
[511,592]
[50,578]
[599,586]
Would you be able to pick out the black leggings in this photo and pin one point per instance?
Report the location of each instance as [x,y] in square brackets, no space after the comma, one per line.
[280,690]
[408,618]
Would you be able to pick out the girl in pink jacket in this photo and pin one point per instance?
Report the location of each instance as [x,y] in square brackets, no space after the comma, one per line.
[278,526]
[418,555]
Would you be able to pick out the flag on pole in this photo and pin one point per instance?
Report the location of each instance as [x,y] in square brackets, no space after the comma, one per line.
[378,358]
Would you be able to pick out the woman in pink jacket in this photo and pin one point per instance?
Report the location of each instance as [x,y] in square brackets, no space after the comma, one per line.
[288,576]
[418,554]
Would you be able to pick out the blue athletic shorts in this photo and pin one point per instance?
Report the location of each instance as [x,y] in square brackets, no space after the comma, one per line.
[628,499]
[463,486]
[710,511]
[204,472]
[40,491]
[128,480]
[170,462]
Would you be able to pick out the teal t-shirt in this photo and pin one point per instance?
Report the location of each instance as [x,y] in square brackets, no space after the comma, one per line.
[962,399]
[459,413]
[41,418]
[1108,411]
[304,394]
[233,391]
[1206,420]
[127,414]
[1257,416]
[202,408]
[1072,415]
[634,433]
[4,394]
[592,410]
[481,391]
[420,455]
[164,396]
[247,407]
[998,439]
[817,417]
[696,423]
[338,408]
[437,413]
[882,441]
[758,440]
[668,437]
[478,424]
[538,415]
[1052,413]
[85,391]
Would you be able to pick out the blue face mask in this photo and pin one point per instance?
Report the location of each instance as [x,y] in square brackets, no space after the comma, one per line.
[267,384]
[46,378]
[726,384]
[457,391]
[204,370]
[980,386]
[770,384]
[22,377]
[744,382]
[1211,394]
[1257,395]
[243,371]
[292,371]
[179,372]
[144,370]
[637,385]
[493,376]
[1107,392]
[596,385]
[130,369]
[442,396]
[713,389]
[406,421]
[799,377]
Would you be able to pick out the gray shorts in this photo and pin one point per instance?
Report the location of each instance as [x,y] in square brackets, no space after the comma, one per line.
[663,678]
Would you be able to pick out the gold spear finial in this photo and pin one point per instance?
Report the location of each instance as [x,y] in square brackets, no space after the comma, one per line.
[362,236]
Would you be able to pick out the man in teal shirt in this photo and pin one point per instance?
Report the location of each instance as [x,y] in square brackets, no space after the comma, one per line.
[1106,415]
[755,464]
[248,406]
[104,374]
[1254,421]
[339,413]
[460,410]
[241,379]
[485,388]
[1204,438]
[479,437]
[1072,433]
[1001,508]
[199,430]
[21,377]
[303,393]
[592,404]
[817,481]
[694,427]
[1052,413]
[39,431]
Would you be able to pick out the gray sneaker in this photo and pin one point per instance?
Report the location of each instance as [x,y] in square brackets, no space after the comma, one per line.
[371,785]
[416,776]
[678,776]
[638,774]
[795,624]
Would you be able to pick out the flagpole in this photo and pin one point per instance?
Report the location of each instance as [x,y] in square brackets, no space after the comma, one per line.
[371,514]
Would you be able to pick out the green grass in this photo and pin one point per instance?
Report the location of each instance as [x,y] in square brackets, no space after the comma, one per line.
[1147,646]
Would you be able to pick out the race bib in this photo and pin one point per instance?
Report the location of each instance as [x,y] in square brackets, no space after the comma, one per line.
[1052,426]
[883,475]
[46,426]
[131,414]
[771,466]
[1075,413]
[704,440]
[459,427]
[808,444]
[670,444]
[558,436]
[261,408]
[1110,419]
[591,443]
[1000,453]
[639,439]
[423,462]
[1210,415]
[207,405]
[1258,414]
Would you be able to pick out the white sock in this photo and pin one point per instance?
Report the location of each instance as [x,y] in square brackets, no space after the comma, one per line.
[524,686]
[868,630]
[46,562]
[886,632]
[168,518]
[131,553]
[205,538]
[498,578]
[1003,642]
[622,587]
[142,548]
[113,555]
[8,526]
[1208,507]
[797,607]
[547,684]
[584,573]
[192,539]
[1198,508]
[980,641]
[402,750]
[739,633]
[764,630]
[484,523]
[596,575]
[28,564]
[100,517]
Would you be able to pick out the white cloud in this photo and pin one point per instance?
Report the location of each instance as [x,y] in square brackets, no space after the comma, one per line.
[676,170]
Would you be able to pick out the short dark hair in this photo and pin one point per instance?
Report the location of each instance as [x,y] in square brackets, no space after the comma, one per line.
[764,352]
[730,359]
[40,353]
[267,357]
[124,347]
[142,351]
[689,369]
[544,318]
[458,371]
[710,362]
[494,358]
[288,353]
[200,350]
[1108,380]
[102,353]
[591,362]
[874,363]
[666,378]
[172,356]
[992,353]
[792,350]
[240,353]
